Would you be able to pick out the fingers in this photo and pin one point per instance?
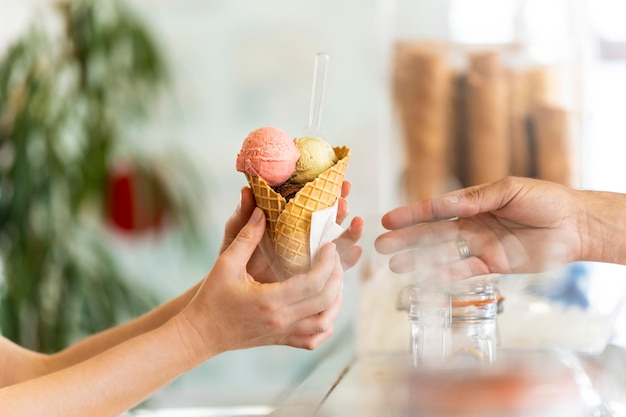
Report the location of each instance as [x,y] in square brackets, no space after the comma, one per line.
[318,323]
[323,299]
[342,209]
[424,258]
[349,252]
[303,286]
[425,234]
[346,186]
[408,215]
[350,257]
[307,304]
[308,294]
[308,342]
[440,208]
[461,203]
[442,263]
[311,331]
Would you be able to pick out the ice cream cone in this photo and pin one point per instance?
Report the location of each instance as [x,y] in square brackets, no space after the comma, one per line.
[289,223]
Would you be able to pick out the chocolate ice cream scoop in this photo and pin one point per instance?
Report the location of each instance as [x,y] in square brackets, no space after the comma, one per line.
[288,189]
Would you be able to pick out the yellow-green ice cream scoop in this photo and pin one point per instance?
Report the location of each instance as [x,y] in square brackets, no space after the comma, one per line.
[316,156]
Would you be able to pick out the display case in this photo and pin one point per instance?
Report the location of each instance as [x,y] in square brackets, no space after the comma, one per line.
[519,383]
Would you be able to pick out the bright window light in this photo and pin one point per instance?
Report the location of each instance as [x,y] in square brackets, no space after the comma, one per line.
[547,21]
[607,17]
[482,21]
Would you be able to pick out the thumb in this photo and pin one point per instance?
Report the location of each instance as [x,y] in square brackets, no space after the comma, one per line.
[239,218]
[248,237]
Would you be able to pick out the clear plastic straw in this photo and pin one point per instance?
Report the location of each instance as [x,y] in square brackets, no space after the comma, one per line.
[317,97]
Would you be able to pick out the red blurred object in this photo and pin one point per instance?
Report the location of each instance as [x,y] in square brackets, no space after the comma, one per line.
[135,200]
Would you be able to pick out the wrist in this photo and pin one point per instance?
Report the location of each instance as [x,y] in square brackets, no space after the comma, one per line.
[603,235]
[586,228]
[191,342]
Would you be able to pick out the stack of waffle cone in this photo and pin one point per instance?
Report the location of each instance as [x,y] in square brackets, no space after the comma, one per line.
[289,223]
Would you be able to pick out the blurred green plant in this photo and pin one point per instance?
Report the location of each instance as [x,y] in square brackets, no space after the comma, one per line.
[65,96]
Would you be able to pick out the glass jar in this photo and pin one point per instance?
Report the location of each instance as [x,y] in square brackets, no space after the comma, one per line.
[456,327]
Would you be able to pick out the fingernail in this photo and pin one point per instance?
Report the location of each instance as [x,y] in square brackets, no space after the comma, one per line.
[257,215]
[452,199]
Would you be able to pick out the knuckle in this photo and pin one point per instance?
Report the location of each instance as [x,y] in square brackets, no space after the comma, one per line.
[313,286]
[276,322]
[328,300]
[474,195]
[320,327]
[310,344]
[343,206]
[330,330]
[244,236]
[507,181]
[271,313]
[339,298]
[267,306]
[324,326]
[317,329]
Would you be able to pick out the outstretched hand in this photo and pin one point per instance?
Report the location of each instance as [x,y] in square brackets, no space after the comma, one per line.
[259,266]
[515,225]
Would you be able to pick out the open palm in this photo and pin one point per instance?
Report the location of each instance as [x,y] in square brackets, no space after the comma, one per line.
[511,226]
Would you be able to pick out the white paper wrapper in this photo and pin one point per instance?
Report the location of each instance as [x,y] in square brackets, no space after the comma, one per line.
[323,228]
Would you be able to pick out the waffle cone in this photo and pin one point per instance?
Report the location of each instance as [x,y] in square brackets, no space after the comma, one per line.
[289,223]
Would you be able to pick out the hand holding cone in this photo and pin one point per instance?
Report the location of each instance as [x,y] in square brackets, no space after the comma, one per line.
[289,222]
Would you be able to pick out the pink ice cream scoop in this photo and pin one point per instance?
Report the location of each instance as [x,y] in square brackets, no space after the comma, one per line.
[269,153]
